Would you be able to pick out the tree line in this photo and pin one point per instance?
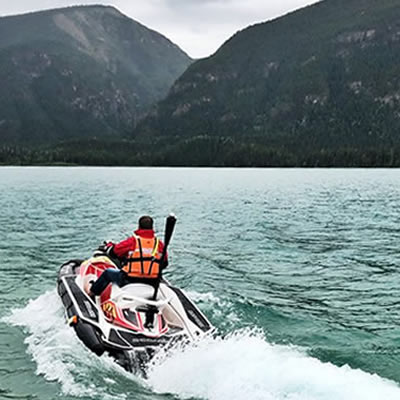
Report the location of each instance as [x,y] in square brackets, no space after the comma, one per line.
[204,151]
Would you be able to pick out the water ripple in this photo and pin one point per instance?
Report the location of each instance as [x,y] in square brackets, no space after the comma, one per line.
[310,256]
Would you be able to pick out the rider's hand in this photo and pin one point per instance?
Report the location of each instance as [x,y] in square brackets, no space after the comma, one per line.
[105,246]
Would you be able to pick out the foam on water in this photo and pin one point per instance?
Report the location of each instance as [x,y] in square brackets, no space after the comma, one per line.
[240,366]
[205,297]
[245,366]
[218,308]
[58,353]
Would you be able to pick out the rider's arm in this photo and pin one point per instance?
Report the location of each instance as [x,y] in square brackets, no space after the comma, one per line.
[121,249]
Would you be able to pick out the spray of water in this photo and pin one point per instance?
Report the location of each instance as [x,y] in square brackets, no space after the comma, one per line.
[240,366]
[245,366]
[58,353]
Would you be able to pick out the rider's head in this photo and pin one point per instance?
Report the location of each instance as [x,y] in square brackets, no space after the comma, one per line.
[145,222]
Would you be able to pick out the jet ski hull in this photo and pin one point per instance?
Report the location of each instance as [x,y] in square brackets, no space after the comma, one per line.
[180,321]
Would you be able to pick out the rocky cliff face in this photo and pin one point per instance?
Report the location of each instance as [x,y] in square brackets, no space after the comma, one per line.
[80,72]
[328,74]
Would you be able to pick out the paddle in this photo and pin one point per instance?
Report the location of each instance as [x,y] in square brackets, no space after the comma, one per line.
[169,229]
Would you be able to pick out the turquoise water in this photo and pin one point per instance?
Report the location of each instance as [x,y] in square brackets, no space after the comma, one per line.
[298,270]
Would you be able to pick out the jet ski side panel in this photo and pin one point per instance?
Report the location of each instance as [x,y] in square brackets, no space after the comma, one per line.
[192,311]
[89,336]
[85,305]
[78,305]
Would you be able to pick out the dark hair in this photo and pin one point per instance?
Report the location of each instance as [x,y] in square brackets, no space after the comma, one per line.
[145,222]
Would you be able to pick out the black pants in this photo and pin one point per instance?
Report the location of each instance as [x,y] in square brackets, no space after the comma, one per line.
[120,278]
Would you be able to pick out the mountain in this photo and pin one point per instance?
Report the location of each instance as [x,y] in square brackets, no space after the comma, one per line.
[86,71]
[319,86]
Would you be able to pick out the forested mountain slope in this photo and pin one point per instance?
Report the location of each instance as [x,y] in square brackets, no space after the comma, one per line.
[320,86]
[80,72]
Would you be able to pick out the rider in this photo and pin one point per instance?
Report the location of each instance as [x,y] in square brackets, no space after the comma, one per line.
[140,257]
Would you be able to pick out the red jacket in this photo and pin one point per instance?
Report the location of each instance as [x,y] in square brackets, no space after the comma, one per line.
[121,249]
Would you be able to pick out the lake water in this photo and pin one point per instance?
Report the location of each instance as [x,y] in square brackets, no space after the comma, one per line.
[298,270]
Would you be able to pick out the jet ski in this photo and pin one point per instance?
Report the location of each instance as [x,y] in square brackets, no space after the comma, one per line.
[131,322]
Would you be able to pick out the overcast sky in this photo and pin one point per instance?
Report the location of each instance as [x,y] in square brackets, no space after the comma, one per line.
[199,27]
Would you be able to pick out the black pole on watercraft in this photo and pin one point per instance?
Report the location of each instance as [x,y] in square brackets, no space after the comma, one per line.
[169,229]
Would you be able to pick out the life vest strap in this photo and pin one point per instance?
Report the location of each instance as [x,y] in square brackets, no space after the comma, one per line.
[139,242]
[137,259]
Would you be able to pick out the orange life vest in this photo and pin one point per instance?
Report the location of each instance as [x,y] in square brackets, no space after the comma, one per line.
[144,261]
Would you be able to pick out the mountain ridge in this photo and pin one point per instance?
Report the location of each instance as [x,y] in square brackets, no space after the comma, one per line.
[322,79]
[80,71]
[319,86]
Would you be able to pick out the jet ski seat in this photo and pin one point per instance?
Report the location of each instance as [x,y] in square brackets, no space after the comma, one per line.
[140,290]
[138,294]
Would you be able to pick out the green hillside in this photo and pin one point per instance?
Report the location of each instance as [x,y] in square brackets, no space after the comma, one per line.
[80,72]
[320,86]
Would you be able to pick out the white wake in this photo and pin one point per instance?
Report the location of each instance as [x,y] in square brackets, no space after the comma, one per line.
[244,366]
[58,353]
[238,367]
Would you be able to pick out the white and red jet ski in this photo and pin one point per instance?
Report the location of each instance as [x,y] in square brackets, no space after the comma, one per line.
[127,322]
